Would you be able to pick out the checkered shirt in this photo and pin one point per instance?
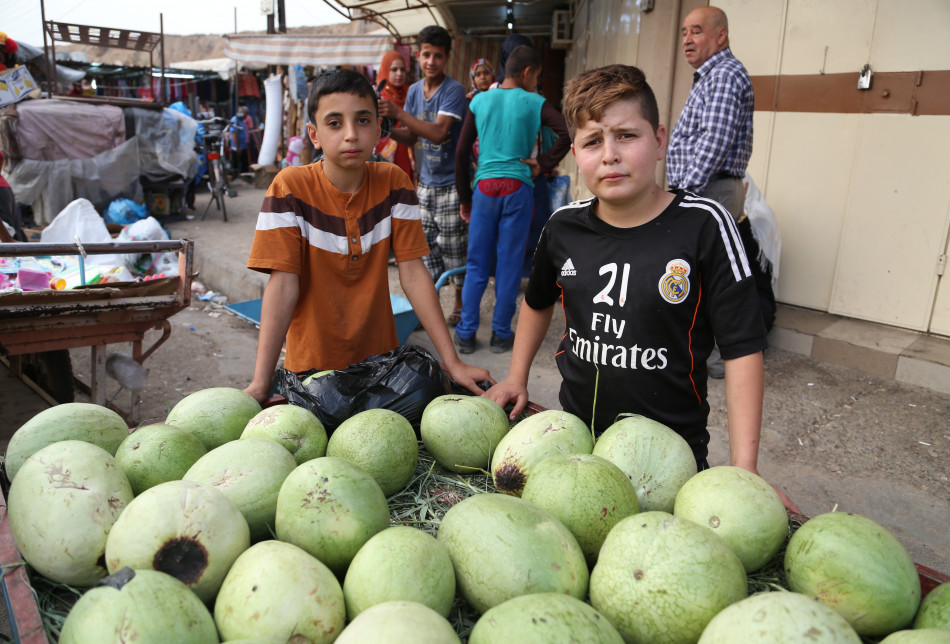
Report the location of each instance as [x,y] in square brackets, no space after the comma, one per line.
[714,132]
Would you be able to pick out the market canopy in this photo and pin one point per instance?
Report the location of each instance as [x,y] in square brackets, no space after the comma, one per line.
[223,67]
[320,51]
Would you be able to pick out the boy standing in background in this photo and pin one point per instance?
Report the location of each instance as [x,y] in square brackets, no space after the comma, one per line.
[506,121]
[434,109]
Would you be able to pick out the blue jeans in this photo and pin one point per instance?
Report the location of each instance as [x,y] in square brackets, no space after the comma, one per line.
[497,235]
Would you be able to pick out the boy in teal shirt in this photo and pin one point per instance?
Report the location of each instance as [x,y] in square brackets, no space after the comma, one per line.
[506,121]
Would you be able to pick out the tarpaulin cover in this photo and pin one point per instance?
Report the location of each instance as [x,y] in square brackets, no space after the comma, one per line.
[29,54]
[166,143]
[50,130]
[160,145]
[49,186]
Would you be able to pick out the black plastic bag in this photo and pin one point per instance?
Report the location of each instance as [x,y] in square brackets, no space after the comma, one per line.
[403,380]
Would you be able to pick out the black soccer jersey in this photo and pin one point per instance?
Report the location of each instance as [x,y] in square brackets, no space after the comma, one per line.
[641,308]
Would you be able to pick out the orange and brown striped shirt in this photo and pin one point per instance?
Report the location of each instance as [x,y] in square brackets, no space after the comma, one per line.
[339,244]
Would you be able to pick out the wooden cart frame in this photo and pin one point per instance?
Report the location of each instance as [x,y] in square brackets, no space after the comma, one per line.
[94,316]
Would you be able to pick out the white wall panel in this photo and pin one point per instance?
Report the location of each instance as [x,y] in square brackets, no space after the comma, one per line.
[906,35]
[896,221]
[809,176]
[845,27]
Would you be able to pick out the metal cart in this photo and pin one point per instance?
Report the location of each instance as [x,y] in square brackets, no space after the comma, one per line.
[93,316]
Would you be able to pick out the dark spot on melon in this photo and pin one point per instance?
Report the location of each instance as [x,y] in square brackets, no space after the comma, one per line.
[182,557]
[510,478]
[638,574]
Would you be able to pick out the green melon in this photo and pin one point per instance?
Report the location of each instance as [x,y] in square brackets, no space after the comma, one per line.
[739,506]
[189,530]
[661,579]
[275,592]
[656,459]
[935,609]
[531,441]
[399,622]
[779,617]
[141,606]
[216,415]
[542,618]
[62,505]
[158,453]
[297,429]
[587,493]
[70,421]
[400,563]
[918,636]
[462,432]
[854,565]
[330,507]
[250,473]
[502,546]
[381,442]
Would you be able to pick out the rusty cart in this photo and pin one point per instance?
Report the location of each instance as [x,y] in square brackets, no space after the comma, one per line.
[43,322]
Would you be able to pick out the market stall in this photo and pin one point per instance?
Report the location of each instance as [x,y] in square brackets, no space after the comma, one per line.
[94,316]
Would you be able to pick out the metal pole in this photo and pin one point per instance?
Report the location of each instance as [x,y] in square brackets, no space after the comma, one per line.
[161,31]
[234,78]
[281,17]
[50,81]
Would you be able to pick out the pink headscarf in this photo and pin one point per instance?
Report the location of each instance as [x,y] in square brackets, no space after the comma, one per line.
[475,65]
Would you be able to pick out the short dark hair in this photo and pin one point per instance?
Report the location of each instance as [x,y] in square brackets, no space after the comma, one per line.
[521,59]
[589,93]
[339,81]
[436,36]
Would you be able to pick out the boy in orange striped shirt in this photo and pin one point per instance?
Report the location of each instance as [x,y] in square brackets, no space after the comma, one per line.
[324,235]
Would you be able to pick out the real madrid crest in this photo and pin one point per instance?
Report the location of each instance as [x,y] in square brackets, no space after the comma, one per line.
[674,285]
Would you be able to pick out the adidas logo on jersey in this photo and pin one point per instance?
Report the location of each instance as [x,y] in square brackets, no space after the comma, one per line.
[568,269]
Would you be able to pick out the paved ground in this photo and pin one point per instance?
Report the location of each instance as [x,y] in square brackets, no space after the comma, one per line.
[833,436]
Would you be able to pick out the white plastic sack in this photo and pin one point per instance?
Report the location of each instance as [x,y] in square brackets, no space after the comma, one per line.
[80,220]
[147,229]
[274,91]
[764,228]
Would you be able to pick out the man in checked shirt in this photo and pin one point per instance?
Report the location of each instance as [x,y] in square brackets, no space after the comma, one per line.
[711,142]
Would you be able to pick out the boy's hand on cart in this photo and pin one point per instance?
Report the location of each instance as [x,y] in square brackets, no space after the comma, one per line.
[259,393]
[508,391]
[468,376]
[786,501]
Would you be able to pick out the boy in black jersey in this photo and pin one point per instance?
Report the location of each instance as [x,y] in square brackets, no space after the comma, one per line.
[648,278]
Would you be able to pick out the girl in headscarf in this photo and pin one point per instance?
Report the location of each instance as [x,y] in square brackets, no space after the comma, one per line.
[481,73]
[394,71]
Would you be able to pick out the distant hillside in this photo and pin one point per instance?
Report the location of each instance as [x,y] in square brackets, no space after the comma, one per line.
[199,46]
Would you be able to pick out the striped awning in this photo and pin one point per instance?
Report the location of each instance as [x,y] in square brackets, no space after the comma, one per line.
[320,51]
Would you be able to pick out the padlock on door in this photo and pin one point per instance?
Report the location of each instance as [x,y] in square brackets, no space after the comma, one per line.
[864,78]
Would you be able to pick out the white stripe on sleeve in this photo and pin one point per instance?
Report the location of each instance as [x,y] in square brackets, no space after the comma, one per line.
[735,251]
[406,212]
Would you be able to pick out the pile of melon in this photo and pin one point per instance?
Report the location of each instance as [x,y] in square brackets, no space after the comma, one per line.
[228,522]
